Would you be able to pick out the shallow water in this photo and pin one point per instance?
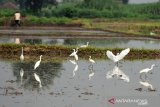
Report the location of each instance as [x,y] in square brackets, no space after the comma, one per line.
[110,42]
[68,85]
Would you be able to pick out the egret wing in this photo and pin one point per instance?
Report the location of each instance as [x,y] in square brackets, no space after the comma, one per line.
[72,54]
[110,55]
[123,53]
[37,64]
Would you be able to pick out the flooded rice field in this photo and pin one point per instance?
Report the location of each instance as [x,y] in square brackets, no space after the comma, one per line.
[109,42]
[67,83]
[80,84]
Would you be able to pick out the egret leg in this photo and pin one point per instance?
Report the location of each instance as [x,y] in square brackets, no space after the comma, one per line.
[90,66]
[117,64]
[146,77]
[141,77]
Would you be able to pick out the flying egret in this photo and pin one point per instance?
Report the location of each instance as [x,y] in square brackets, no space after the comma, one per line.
[147,69]
[146,84]
[38,79]
[37,63]
[91,60]
[118,57]
[84,46]
[74,53]
[22,56]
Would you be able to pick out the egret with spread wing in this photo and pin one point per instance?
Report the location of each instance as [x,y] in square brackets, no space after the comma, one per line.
[118,57]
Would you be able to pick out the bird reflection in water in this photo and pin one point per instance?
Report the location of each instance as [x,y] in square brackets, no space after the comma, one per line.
[147,85]
[75,68]
[21,74]
[91,72]
[116,72]
[38,79]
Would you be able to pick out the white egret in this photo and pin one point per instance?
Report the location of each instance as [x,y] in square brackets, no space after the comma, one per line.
[22,56]
[84,46]
[152,33]
[37,79]
[74,53]
[91,60]
[73,62]
[118,57]
[37,63]
[146,84]
[147,69]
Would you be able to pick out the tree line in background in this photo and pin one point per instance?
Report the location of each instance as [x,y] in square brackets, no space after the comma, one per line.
[85,9]
[36,5]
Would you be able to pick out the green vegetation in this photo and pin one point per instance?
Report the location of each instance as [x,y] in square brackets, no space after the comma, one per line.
[136,26]
[33,20]
[141,11]
[93,9]
[95,14]
[54,51]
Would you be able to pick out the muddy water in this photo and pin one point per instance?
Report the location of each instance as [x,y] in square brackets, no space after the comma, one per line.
[76,85]
[110,42]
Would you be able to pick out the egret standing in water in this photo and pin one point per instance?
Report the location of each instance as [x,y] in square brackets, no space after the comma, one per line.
[74,53]
[37,63]
[91,60]
[38,79]
[152,33]
[22,56]
[84,46]
[118,57]
[147,69]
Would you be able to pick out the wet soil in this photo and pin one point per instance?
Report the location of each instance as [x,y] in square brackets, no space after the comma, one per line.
[67,32]
[52,52]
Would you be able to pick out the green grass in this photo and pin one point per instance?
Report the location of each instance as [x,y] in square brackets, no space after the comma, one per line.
[48,51]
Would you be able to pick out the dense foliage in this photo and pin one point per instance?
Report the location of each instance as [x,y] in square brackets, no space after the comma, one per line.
[86,9]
